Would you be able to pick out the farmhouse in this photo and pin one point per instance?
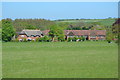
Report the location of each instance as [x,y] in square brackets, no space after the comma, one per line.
[88,34]
[29,35]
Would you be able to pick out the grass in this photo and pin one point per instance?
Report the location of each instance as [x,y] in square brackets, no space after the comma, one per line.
[105,22]
[90,59]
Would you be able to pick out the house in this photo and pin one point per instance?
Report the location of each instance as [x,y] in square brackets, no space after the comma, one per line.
[29,35]
[88,34]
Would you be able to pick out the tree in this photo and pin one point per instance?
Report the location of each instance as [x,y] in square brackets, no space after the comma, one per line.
[70,27]
[0,34]
[85,28]
[109,37]
[41,39]
[7,30]
[116,30]
[61,38]
[41,24]
[30,26]
[46,39]
[55,30]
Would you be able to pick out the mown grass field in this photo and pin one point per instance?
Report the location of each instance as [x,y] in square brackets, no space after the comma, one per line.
[90,59]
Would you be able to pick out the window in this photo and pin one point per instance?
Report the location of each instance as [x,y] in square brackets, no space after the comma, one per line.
[22,35]
[29,39]
[101,36]
[92,36]
[71,36]
[85,36]
[37,36]
[101,39]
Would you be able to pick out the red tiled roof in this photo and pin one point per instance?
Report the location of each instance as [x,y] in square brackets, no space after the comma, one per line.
[45,32]
[81,32]
[85,32]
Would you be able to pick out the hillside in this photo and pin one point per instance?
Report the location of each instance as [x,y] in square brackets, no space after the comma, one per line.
[66,24]
[105,22]
[83,24]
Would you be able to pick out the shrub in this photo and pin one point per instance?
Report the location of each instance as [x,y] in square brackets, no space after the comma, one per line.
[45,39]
[49,39]
[32,40]
[61,38]
[41,39]
[69,39]
[109,39]
[96,40]
[74,39]
[82,38]
[15,40]
[24,40]
[37,39]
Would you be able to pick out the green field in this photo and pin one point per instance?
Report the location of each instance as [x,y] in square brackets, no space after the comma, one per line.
[89,59]
[105,22]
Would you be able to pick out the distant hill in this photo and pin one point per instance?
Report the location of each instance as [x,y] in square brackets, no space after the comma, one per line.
[66,24]
[86,24]
[105,22]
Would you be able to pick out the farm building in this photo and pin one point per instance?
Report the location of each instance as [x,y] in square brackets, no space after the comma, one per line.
[29,35]
[88,34]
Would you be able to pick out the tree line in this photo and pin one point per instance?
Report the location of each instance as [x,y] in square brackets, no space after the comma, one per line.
[10,27]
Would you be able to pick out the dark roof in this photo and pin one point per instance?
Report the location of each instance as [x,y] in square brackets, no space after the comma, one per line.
[80,32]
[31,32]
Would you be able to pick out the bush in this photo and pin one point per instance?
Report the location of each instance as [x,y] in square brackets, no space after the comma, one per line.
[37,39]
[74,39]
[61,38]
[45,39]
[32,40]
[15,40]
[118,42]
[41,39]
[69,39]
[109,39]
[24,40]
[82,38]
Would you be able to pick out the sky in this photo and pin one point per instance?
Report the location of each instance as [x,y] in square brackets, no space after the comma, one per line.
[59,10]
